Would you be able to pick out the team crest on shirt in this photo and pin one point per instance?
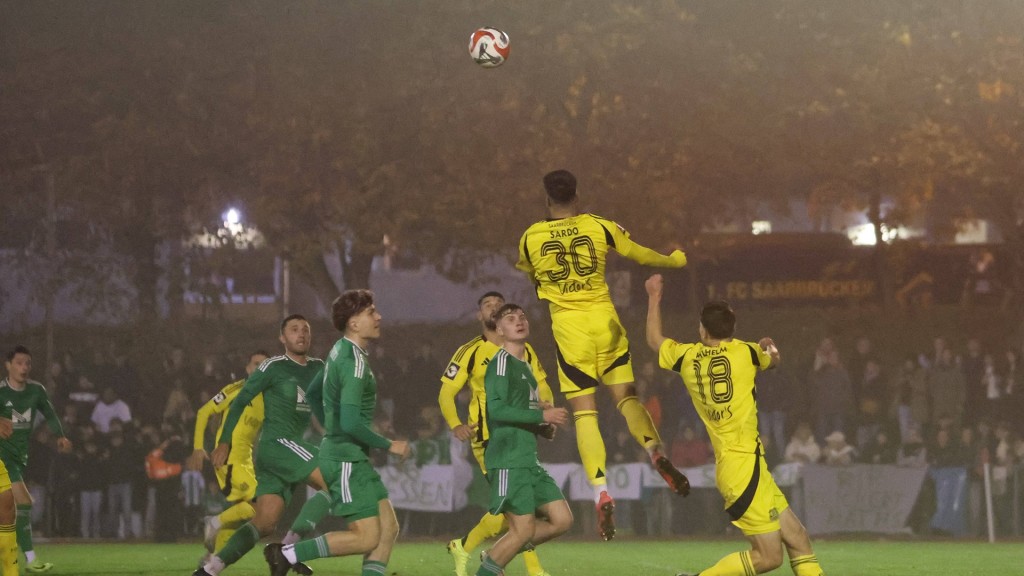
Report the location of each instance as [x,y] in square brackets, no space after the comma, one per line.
[773,514]
[300,399]
[452,371]
[21,417]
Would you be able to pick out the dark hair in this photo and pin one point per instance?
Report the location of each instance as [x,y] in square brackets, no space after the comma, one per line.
[560,186]
[259,352]
[350,303]
[488,295]
[18,350]
[505,310]
[718,319]
[290,318]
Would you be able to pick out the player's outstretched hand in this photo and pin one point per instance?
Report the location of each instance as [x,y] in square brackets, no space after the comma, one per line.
[464,432]
[220,454]
[547,431]
[6,427]
[768,345]
[655,285]
[195,460]
[400,448]
[64,445]
[556,416]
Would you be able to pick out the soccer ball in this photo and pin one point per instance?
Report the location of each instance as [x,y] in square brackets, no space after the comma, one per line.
[489,47]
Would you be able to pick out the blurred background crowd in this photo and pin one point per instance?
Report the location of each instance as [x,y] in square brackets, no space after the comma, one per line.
[948,407]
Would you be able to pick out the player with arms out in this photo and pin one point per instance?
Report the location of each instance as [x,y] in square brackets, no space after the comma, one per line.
[565,257]
[237,480]
[468,365]
[358,494]
[521,489]
[21,400]
[284,461]
[719,374]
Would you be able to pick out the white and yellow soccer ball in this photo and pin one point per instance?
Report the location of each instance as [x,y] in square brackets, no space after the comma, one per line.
[489,47]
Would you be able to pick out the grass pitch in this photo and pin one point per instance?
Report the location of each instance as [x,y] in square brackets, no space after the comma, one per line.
[568,558]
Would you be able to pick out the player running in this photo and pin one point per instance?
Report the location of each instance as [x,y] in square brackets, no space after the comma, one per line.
[284,460]
[237,480]
[349,401]
[565,257]
[21,400]
[719,374]
[468,365]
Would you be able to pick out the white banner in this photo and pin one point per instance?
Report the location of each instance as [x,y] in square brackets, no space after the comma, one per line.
[432,488]
[859,498]
[442,488]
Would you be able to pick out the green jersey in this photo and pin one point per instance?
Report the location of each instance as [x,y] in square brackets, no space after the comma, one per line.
[22,406]
[283,383]
[350,399]
[513,413]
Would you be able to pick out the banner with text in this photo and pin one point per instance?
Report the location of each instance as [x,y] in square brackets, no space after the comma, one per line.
[859,498]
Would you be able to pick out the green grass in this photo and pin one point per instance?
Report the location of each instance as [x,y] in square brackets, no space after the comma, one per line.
[616,558]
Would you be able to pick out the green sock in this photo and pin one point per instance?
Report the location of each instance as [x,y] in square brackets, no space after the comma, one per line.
[23,528]
[374,568]
[243,540]
[488,568]
[312,549]
[312,512]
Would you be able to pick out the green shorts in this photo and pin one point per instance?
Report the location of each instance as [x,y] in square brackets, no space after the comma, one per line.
[356,489]
[15,467]
[282,464]
[521,491]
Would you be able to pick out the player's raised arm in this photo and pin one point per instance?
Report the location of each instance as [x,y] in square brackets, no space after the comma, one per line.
[655,286]
[768,345]
[641,254]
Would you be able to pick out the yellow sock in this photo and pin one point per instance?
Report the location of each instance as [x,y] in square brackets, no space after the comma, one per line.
[735,564]
[532,562]
[223,535]
[488,527]
[591,446]
[806,565]
[8,550]
[639,421]
[237,515]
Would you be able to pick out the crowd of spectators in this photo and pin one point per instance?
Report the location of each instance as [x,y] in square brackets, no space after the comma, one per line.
[942,408]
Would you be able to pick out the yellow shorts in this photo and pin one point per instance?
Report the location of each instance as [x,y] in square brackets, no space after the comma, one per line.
[752,499]
[237,481]
[5,478]
[478,453]
[592,349]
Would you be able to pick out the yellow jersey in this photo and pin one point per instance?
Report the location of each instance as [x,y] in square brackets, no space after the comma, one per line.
[469,364]
[565,258]
[720,381]
[246,431]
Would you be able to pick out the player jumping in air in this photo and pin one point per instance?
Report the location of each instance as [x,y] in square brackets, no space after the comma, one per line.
[719,374]
[468,365]
[565,257]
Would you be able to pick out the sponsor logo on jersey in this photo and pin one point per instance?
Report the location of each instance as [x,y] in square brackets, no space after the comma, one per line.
[21,417]
[220,397]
